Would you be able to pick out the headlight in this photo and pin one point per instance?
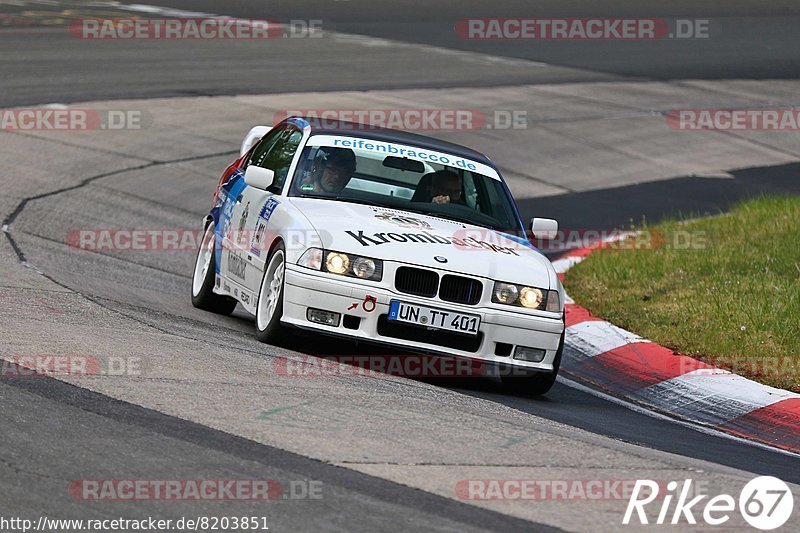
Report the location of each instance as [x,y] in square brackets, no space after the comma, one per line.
[311,258]
[530,297]
[353,266]
[505,293]
[363,267]
[527,297]
[337,263]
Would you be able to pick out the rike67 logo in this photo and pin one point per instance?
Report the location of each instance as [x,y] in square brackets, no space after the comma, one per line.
[765,503]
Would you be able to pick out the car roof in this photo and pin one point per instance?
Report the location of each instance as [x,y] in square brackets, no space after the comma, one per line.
[352,129]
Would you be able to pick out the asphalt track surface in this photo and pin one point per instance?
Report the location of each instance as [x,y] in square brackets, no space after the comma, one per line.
[103,435]
[748,40]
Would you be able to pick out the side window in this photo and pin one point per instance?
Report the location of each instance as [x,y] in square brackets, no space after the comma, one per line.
[497,206]
[261,150]
[276,152]
[470,191]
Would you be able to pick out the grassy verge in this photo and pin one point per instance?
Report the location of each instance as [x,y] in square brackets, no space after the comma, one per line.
[725,289]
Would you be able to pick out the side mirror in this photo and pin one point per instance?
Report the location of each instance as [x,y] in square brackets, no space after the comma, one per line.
[544,228]
[260,178]
[253,136]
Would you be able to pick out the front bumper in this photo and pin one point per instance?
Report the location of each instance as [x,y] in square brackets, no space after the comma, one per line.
[306,289]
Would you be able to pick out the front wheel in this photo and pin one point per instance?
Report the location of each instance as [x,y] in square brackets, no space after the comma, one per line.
[203,296]
[269,309]
[534,384]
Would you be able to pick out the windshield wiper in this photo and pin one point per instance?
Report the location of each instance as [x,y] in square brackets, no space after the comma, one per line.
[436,214]
[360,201]
[454,218]
[346,199]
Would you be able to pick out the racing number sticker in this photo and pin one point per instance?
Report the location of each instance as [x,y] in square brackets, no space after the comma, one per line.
[261,226]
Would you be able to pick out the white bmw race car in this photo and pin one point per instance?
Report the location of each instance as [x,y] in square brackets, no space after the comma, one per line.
[382,236]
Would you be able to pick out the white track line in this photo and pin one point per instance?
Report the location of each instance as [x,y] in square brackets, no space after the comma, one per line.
[659,416]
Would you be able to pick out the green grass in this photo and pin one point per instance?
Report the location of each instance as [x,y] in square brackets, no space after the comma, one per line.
[731,296]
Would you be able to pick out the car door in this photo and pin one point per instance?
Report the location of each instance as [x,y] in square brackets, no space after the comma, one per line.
[256,206]
[231,216]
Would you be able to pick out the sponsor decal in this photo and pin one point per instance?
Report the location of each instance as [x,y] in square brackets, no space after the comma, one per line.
[258,237]
[425,237]
[261,225]
[414,153]
[268,208]
[423,155]
[231,190]
[222,197]
[245,297]
[227,212]
[236,265]
[489,237]
[404,221]
[245,214]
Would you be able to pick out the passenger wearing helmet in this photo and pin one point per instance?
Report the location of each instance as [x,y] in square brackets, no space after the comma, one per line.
[331,171]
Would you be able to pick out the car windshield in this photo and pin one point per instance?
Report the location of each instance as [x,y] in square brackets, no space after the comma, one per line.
[396,176]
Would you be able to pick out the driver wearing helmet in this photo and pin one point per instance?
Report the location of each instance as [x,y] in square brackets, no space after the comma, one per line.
[331,170]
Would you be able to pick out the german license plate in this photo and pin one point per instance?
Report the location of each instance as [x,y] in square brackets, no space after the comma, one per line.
[431,317]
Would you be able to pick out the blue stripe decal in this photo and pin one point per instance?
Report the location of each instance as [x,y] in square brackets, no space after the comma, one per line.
[232,189]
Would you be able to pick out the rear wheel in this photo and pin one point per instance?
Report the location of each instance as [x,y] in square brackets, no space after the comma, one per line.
[203,296]
[534,384]
[269,309]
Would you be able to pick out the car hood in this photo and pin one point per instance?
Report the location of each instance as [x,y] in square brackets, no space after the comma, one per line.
[417,239]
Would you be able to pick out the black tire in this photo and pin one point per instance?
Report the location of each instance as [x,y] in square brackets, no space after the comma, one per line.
[269,329]
[204,298]
[534,384]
